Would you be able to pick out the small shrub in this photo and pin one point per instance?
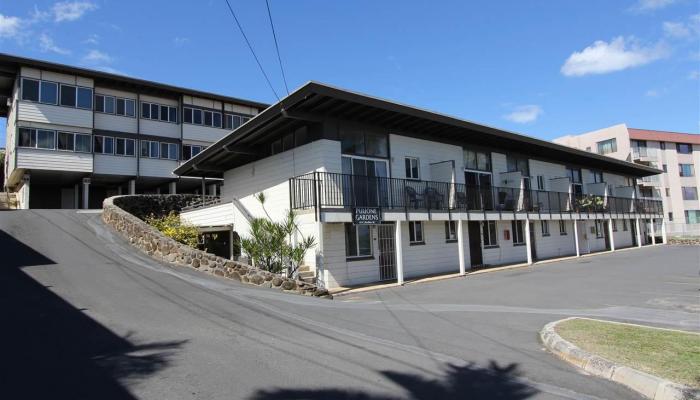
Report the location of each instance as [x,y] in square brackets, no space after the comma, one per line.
[172,227]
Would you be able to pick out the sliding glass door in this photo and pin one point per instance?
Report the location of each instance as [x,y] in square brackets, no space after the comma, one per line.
[365,181]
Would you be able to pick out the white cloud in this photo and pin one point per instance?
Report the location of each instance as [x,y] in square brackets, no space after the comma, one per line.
[93,39]
[651,5]
[46,44]
[651,93]
[9,26]
[676,29]
[694,75]
[524,114]
[97,57]
[602,57]
[71,10]
[180,41]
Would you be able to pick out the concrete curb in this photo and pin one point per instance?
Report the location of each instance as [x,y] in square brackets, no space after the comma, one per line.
[648,385]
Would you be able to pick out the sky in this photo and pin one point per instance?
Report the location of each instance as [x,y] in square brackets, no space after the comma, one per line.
[544,68]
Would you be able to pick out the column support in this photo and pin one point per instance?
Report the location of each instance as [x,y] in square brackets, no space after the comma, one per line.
[664,237]
[172,187]
[460,244]
[528,244]
[86,193]
[611,235]
[578,251]
[132,186]
[399,254]
[653,231]
[26,185]
[639,232]
[204,187]
[321,273]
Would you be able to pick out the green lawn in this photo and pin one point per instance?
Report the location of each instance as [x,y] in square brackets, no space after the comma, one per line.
[668,354]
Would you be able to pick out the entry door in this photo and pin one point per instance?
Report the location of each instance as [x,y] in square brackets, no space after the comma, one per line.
[387,251]
[606,234]
[474,231]
[633,230]
[365,181]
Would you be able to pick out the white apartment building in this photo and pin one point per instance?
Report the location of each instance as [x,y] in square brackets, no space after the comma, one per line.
[676,154]
[76,136]
[392,192]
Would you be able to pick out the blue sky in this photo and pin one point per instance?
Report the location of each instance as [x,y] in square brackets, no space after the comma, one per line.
[544,68]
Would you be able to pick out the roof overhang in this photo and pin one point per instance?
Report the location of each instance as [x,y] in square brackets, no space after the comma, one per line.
[314,100]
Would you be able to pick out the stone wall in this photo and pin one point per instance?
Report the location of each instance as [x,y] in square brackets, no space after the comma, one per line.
[145,237]
[688,240]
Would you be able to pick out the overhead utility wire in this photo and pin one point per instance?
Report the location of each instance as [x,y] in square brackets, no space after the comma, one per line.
[274,35]
[251,49]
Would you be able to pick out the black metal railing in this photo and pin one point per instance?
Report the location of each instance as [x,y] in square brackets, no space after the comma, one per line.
[202,202]
[333,190]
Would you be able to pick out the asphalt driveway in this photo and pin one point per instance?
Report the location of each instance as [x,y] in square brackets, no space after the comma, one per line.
[86,316]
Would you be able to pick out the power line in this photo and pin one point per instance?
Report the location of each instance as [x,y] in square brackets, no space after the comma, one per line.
[251,49]
[279,58]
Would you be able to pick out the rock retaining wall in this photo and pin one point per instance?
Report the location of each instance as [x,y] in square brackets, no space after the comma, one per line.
[688,241]
[157,245]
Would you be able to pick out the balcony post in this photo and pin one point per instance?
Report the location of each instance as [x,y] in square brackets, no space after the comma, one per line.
[653,231]
[460,244]
[610,233]
[664,237]
[639,232]
[86,193]
[578,251]
[399,253]
[528,244]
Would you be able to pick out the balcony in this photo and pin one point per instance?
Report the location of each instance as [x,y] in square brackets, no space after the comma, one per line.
[645,154]
[653,181]
[341,192]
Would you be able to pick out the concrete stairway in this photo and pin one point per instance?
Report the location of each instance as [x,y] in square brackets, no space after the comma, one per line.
[306,274]
[8,201]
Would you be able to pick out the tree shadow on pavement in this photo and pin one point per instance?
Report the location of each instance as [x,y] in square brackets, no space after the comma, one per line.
[460,382]
[52,349]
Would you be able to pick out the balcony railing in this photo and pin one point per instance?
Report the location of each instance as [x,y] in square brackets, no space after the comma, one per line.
[644,154]
[339,191]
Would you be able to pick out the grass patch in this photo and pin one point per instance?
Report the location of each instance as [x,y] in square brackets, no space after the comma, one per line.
[668,354]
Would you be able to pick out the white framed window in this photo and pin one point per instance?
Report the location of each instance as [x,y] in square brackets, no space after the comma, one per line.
[124,147]
[198,116]
[104,144]
[490,233]
[598,229]
[168,151]
[30,89]
[607,146]
[83,143]
[158,112]
[76,96]
[545,228]
[114,105]
[450,231]
[624,222]
[358,241]
[518,228]
[37,138]
[614,225]
[65,141]
[233,121]
[48,92]
[415,232]
[562,227]
[190,150]
[149,149]
[412,168]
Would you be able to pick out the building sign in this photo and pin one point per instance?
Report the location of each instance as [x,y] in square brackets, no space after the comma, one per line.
[366,215]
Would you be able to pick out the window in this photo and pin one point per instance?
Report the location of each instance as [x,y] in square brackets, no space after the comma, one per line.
[104,144]
[670,216]
[490,233]
[562,227]
[668,192]
[692,216]
[202,117]
[574,175]
[607,146]
[207,118]
[624,225]
[477,160]
[686,169]
[197,117]
[30,89]
[217,120]
[27,137]
[124,147]
[689,192]
[588,149]
[450,231]
[358,240]
[114,105]
[684,148]
[614,225]
[415,232]
[83,143]
[597,176]
[68,95]
[66,141]
[158,112]
[545,228]
[190,150]
[598,228]
[45,139]
[233,121]
[662,145]
[48,93]
[85,98]
[187,115]
[149,149]
[168,151]
[518,232]
[540,182]
[412,168]
[517,163]
[363,143]
[664,167]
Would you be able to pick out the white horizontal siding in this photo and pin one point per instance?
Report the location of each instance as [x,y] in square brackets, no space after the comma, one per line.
[54,160]
[433,257]
[218,215]
[158,100]
[427,152]
[157,168]
[556,244]
[158,128]
[115,165]
[48,114]
[506,252]
[203,133]
[115,123]
[338,271]
[623,238]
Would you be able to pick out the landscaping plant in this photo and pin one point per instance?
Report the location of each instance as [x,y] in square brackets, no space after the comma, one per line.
[172,227]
